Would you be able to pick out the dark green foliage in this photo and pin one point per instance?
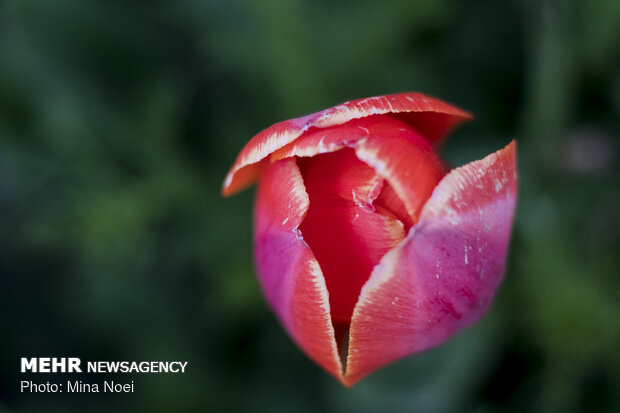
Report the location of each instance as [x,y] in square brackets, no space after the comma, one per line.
[118,121]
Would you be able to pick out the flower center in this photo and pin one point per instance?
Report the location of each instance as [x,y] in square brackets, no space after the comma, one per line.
[356,216]
[347,233]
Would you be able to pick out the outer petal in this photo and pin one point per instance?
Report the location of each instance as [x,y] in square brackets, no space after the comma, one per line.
[324,140]
[430,116]
[288,271]
[442,277]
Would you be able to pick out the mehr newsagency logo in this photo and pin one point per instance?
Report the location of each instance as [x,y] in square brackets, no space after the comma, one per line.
[51,365]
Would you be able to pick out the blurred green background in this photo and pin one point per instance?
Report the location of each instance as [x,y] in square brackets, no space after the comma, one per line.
[119,120]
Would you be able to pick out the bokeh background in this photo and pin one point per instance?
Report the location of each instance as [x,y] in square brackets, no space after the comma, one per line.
[119,120]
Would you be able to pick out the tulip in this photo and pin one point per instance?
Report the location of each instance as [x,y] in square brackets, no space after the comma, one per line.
[367,246]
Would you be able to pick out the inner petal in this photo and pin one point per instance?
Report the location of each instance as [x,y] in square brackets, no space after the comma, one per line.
[388,199]
[347,233]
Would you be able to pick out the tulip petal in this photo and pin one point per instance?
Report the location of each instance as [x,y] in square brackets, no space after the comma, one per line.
[289,273]
[389,200]
[325,140]
[442,277]
[406,160]
[430,116]
[339,176]
[346,232]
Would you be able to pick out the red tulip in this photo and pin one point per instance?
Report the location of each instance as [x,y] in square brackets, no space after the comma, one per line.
[366,244]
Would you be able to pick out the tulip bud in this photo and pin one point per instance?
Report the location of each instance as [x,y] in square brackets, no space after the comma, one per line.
[368,248]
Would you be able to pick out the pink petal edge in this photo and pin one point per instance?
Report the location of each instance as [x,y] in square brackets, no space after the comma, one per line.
[289,274]
[283,133]
[443,275]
